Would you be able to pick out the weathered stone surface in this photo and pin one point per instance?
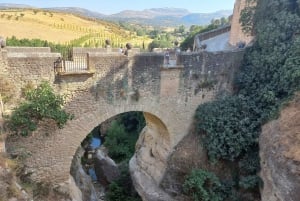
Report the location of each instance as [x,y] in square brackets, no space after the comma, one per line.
[237,34]
[145,185]
[94,99]
[119,84]
[106,169]
[280,155]
[82,180]
[189,154]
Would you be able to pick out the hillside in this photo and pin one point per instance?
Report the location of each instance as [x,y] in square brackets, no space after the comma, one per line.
[48,25]
[168,17]
[172,17]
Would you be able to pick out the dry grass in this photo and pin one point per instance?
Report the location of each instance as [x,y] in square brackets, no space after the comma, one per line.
[59,27]
[40,25]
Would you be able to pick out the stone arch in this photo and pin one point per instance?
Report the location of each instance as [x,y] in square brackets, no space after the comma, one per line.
[50,150]
[152,150]
[152,147]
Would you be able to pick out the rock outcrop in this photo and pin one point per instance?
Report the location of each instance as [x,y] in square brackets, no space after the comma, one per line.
[148,165]
[280,155]
[145,185]
[105,168]
[82,180]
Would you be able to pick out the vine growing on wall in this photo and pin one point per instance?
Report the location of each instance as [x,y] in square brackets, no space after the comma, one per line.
[269,76]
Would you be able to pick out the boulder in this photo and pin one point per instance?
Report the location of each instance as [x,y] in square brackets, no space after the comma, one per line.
[106,169]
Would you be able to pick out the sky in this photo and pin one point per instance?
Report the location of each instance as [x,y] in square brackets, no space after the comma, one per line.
[115,6]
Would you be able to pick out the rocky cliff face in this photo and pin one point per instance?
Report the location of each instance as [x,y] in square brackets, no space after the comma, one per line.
[280,155]
[85,189]
[148,164]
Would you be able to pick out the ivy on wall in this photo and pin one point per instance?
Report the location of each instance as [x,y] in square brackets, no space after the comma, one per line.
[269,76]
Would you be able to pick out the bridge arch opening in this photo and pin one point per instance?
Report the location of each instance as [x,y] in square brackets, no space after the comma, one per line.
[151,146]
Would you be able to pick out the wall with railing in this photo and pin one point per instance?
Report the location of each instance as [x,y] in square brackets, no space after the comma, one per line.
[210,34]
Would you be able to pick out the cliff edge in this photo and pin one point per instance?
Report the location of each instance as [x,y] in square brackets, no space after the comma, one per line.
[280,155]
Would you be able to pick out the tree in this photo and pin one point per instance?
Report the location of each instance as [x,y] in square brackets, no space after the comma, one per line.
[159,44]
[181,29]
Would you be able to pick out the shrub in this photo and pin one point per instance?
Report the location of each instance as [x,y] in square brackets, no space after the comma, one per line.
[249,181]
[41,103]
[202,185]
[230,127]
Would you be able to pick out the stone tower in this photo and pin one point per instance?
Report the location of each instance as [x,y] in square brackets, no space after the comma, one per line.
[236,33]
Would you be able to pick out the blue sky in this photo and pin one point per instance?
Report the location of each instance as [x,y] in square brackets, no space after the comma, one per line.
[114,6]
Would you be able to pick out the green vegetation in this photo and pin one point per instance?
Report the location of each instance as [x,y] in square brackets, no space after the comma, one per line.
[75,30]
[202,185]
[270,75]
[194,30]
[64,49]
[120,140]
[41,103]
[230,127]
[123,134]
[160,43]
[122,189]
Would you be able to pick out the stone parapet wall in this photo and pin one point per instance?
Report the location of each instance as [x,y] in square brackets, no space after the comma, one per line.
[30,68]
[81,50]
[213,33]
[28,49]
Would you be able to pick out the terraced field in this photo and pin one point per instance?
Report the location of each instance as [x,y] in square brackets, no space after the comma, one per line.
[64,28]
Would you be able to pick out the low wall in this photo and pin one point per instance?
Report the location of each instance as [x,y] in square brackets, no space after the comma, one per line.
[80,50]
[213,33]
[29,49]
[27,67]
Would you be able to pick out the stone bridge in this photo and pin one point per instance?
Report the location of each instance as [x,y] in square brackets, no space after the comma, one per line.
[113,84]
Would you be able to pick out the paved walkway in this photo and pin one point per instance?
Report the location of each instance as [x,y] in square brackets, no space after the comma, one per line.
[218,43]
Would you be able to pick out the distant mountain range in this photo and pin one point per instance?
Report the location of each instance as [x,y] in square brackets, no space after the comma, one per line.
[153,17]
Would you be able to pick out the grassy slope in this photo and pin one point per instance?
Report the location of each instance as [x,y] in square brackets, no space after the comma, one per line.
[61,27]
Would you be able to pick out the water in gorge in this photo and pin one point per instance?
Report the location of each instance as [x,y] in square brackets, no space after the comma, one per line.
[105,156]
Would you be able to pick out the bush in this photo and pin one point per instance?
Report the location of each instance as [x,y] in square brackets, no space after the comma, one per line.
[202,185]
[249,182]
[41,103]
[229,125]
[156,43]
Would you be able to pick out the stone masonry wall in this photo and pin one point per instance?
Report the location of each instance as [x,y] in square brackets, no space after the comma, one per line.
[236,34]
[25,68]
[28,49]
[118,84]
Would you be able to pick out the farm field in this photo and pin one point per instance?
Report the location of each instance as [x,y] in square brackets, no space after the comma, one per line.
[64,28]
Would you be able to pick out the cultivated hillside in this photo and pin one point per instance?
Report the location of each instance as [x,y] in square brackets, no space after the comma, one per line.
[158,17]
[60,27]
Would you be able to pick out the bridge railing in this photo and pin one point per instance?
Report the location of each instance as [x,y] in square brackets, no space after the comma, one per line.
[77,63]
